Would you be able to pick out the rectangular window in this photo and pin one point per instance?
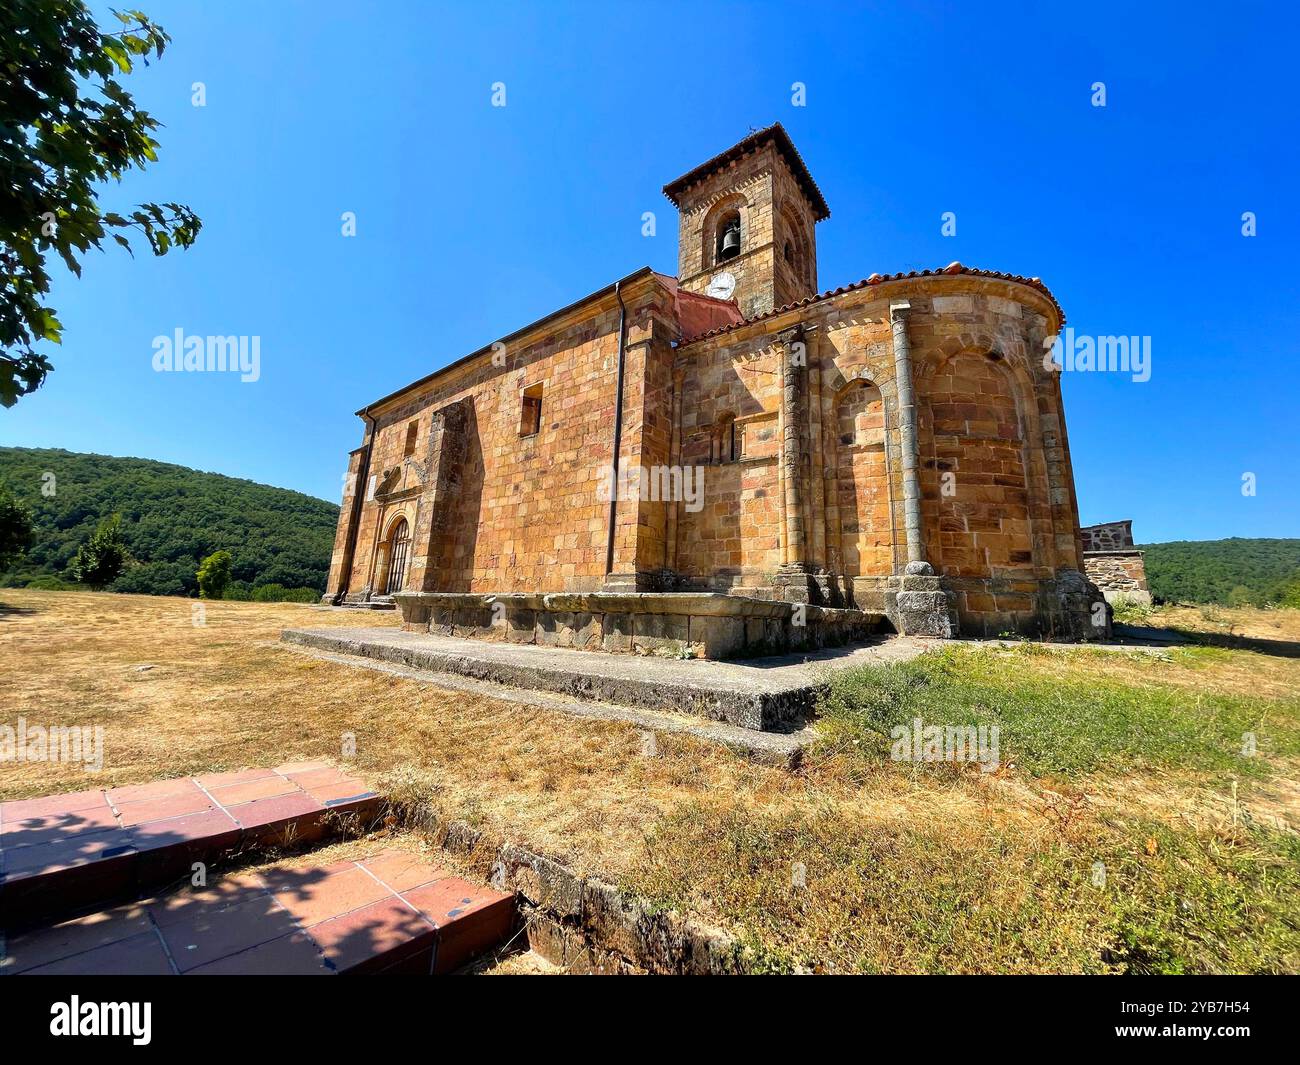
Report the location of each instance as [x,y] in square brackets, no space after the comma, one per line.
[412,431]
[530,417]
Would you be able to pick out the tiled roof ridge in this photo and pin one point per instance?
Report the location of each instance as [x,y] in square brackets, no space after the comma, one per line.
[776,133]
[951,269]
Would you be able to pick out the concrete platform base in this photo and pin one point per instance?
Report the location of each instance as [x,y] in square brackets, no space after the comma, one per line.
[775,694]
[782,749]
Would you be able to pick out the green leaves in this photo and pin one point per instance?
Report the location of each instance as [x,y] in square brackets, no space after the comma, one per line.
[103,557]
[53,328]
[16,534]
[143,34]
[66,126]
[116,51]
[214,575]
[1208,571]
[165,226]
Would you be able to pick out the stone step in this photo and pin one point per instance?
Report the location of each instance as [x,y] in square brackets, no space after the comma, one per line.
[783,749]
[390,913]
[375,602]
[776,694]
[773,694]
[65,853]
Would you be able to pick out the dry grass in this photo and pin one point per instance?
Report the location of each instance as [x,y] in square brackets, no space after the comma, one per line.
[906,871]
[223,696]
[1281,623]
[518,963]
[1189,668]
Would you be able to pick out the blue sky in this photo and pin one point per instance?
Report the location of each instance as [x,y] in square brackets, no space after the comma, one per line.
[473,220]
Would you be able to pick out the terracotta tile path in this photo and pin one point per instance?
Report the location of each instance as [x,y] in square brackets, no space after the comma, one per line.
[65,852]
[87,851]
[392,913]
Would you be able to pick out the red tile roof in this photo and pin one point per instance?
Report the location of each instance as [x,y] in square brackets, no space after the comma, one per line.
[697,314]
[878,279]
[774,134]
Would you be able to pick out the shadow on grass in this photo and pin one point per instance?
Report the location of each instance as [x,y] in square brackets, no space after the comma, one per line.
[1176,637]
[8,610]
[1276,648]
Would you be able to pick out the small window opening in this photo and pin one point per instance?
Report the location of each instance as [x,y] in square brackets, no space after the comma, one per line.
[412,432]
[726,440]
[530,417]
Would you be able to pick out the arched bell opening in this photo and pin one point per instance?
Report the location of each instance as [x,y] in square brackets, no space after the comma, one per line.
[728,237]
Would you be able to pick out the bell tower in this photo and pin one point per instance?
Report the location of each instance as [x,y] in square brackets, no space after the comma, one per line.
[746,224]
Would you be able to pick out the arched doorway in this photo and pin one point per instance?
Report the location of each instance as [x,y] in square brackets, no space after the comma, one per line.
[399,549]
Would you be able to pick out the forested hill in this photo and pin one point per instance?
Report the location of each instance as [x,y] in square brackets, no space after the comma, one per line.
[1235,571]
[172,517]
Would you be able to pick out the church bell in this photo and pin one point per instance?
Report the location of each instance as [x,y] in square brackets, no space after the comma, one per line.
[730,243]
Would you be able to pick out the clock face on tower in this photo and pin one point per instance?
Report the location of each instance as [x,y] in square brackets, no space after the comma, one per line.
[722,285]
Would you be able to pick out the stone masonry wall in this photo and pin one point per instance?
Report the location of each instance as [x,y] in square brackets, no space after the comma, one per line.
[772,210]
[997,485]
[524,513]
[1112,562]
[997,488]
[527,514]
[733,542]
[1110,536]
[338,557]
[1119,574]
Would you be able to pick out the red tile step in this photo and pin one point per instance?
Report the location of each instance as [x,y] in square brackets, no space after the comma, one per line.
[65,853]
[393,913]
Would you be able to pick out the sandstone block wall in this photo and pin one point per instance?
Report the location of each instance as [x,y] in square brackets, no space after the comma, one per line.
[998,502]
[792,425]
[800,465]
[773,213]
[1112,562]
[339,557]
[729,431]
[516,511]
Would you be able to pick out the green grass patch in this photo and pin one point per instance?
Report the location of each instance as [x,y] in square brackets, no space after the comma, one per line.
[1131,612]
[943,897]
[1181,902]
[1054,725]
[1201,656]
[907,897]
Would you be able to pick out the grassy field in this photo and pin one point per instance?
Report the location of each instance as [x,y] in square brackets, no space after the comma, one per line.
[1124,828]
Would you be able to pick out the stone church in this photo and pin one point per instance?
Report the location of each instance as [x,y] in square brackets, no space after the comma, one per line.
[794,467]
